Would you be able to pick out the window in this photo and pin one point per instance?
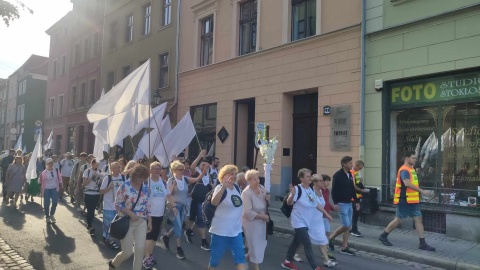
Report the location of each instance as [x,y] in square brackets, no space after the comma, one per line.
[125,71]
[51,107]
[129,28]
[63,68]
[73,98]
[147,11]
[2,116]
[167,12]
[248,27]
[93,91]
[163,76]
[85,51]
[206,42]
[77,54]
[72,137]
[110,80]
[20,88]
[24,83]
[20,112]
[54,69]
[304,14]
[60,105]
[81,98]
[113,35]
[96,44]
[204,118]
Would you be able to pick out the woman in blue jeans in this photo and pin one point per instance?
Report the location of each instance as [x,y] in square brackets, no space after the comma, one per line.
[51,182]
[178,186]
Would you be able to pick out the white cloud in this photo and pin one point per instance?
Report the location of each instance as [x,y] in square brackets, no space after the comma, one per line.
[26,36]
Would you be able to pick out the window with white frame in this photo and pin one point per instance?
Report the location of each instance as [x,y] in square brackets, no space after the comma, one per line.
[248,26]
[83,92]
[20,88]
[22,112]
[60,105]
[147,13]
[167,12]
[206,41]
[54,69]
[73,98]
[63,68]
[304,18]
[163,73]
[24,83]
[18,112]
[113,35]
[129,28]
[51,107]
[92,91]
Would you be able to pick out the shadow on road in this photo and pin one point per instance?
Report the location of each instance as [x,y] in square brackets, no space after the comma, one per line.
[12,217]
[36,260]
[58,243]
[34,209]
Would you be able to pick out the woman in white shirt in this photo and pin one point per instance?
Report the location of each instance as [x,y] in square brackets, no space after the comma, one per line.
[226,228]
[92,180]
[305,208]
[51,183]
[159,195]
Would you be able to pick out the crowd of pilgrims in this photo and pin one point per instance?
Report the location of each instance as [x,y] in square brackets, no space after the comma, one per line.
[175,192]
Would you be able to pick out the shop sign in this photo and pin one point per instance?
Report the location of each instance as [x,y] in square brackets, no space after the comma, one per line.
[458,87]
[340,122]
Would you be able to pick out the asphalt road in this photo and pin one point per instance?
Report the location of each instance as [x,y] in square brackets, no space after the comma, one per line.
[67,245]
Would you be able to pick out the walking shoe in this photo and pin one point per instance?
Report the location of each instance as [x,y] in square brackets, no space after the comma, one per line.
[91,230]
[48,220]
[147,262]
[356,233]
[52,218]
[288,265]
[188,234]
[331,245]
[180,254]
[297,258]
[330,256]
[72,200]
[330,263]
[385,241]
[426,247]
[205,245]
[165,240]
[347,251]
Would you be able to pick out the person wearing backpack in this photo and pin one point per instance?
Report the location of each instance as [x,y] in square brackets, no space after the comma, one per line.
[226,227]
[305,209]
[178,185]
[109,188]
[92,180]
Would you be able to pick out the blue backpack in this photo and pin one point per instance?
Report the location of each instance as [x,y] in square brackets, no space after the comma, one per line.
[208,209]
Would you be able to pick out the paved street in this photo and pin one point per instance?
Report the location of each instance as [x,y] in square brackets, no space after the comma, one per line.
[67,245]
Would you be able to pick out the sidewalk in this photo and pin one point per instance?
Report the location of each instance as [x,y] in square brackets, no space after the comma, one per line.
[451,253]
[10,259]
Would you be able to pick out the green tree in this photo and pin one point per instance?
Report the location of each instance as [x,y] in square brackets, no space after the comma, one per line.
[10,10]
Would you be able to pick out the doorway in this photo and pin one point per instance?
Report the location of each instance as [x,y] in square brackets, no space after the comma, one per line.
[305,119]
[245,133]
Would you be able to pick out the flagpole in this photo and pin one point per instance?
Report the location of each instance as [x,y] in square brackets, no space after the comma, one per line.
[198,141]
[161,139]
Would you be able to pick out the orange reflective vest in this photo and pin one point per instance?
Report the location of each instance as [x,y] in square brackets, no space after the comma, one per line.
[357,181]
[411,195]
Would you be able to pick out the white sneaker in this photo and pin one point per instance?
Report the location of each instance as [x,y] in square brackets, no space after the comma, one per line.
[52,219]
[297,258]
[330,263]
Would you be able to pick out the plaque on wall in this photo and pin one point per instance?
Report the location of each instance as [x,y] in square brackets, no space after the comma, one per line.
[340,122]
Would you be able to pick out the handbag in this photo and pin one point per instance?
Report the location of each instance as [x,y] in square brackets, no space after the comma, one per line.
[269,226]
[120,224]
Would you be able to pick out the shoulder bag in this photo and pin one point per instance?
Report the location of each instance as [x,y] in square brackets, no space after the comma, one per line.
[120,224]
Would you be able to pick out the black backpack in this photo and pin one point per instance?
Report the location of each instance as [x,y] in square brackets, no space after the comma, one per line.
[287,209]
[208,209]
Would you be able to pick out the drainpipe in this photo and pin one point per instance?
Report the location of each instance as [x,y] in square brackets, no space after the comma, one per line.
[362,81]
[177,56]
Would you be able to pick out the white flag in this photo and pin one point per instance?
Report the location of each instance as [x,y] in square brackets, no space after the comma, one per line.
[32,164]
[177,140]
[153,139]
[24,150]
[211,151]
[157,114]
[48,145]
[19,143]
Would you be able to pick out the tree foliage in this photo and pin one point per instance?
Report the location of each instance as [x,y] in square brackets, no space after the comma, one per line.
[10,10]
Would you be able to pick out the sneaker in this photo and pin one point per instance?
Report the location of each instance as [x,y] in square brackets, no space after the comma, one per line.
[331,245]
[347,251]
[330,257]
[205,245]
[288,265]
[330,263]
[52,218]
[180,254]
[188,234]
[385,241]
[48,220]
[356,233]
[91,230]
[165,240]
[297,258]
[147,262]
[426,247]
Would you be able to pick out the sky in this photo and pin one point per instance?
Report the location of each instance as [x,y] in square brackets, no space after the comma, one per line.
[26,35]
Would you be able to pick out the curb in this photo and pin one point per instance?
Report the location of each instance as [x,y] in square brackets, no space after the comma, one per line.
[401,254]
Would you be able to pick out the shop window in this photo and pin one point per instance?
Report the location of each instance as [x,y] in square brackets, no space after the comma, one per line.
[204,118]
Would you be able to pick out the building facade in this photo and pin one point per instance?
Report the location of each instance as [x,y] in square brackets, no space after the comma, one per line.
[11,131]
[276,62]
[58,83]
[137,31]
[422,91]
[3,110]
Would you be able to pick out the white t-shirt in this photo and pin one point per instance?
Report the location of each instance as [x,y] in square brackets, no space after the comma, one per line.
[56,165]
[51,181]
[158,197]
[228,216]
[102,163]
[94,186]
[109,197]
[304,208]
[212,174]
[67,166]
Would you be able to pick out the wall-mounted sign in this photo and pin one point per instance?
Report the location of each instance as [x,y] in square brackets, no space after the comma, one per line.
[340,122]
[457,87]
[327,110]
[222,134]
